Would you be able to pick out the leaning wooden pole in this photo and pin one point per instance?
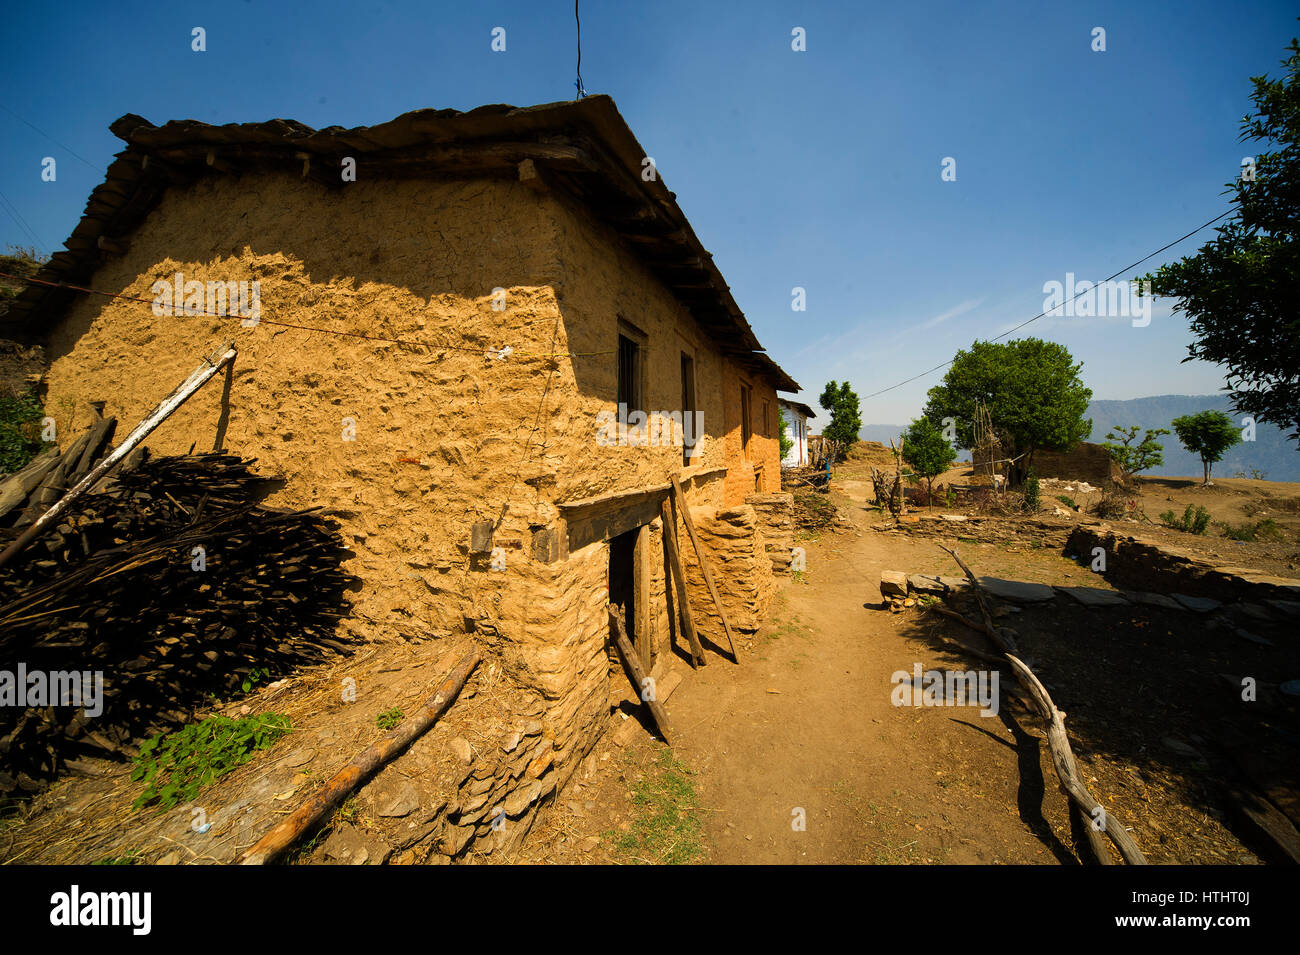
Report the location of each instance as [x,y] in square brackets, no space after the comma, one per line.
[637,674]
[152,420]
[1058,741]
[677,568]
[680,499]
[276,842]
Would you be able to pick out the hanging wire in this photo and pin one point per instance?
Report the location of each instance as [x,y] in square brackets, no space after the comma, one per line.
[578,83]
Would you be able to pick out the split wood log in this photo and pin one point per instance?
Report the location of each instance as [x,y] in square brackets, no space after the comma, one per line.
[197,379]
[637,674]
[276,842]
[679,578]
[15,488]
[1058,741]
[680,498]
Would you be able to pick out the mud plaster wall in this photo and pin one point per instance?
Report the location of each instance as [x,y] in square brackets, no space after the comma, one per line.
[444,437]
[756,468]
[1084,462]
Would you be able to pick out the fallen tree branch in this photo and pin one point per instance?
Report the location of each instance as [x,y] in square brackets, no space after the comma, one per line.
[1058,741]
[276,842]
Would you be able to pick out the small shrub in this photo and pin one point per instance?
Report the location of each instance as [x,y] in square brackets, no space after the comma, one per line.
[175,766]
[1194,520]
[390,719]
[1067,501]
[254,677]
[1030,492]
[1266,529]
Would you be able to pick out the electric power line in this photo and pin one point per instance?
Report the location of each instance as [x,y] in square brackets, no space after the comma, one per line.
[49,137]
[1126,268]
[14,214]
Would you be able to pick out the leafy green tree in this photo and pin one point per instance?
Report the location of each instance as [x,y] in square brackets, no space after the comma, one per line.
[1148,453]
[846,419]
[1033,393]
[927,452]
[787,443]
[1207,433]
[1241,288]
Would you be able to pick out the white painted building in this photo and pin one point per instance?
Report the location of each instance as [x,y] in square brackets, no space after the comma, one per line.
[796,429]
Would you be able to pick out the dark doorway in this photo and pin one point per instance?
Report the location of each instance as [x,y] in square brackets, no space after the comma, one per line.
[622,580]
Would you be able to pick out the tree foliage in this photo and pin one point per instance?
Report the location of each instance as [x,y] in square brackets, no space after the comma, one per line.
[1031,388]
[1241,288]
[20,440]
[1132,458]
[787,443]
[927,452]
[1208,434]
[846,419]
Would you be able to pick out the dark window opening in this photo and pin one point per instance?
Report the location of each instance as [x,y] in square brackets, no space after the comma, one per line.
[690,431]
[629,377]
[745,430]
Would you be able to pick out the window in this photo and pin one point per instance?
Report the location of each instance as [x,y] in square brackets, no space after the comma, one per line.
[690,429]
[745,428]
[631,370]
[629,390]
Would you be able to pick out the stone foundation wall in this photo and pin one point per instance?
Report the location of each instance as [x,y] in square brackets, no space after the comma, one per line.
[733,544]
[1133,563]
[775,515]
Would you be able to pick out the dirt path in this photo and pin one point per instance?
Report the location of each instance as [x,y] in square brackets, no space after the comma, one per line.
[807,723]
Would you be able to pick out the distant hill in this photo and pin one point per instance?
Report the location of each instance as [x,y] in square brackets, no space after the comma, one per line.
[1271,452]
[881,432]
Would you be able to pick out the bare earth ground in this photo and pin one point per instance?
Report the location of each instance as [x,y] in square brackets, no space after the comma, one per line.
[804,730]
[806,722]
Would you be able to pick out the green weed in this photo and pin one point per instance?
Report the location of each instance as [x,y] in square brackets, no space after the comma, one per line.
[175,766]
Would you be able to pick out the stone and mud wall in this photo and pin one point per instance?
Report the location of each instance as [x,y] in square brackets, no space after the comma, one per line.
[409,446]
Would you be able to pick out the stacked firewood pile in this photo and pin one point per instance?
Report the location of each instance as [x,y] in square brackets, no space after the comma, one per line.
[170,579]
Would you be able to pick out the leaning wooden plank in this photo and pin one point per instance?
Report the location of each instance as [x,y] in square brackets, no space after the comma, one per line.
[193,383]
[1058,741]
[679,578]
[101,433]
[637,674]
[680,498]
[15,488]
[55,483]
[276,842]
[1279,838]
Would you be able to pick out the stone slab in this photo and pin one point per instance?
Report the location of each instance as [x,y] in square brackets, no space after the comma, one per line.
[1020,591]
[1095,596]
[893,583]
[922,584]
[1154,600]
[1199,604]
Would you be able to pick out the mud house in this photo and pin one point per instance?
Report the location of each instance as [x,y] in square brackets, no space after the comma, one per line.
[797,415]
[484,342]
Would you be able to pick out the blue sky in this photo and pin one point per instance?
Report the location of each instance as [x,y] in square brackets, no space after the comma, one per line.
[818,169]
